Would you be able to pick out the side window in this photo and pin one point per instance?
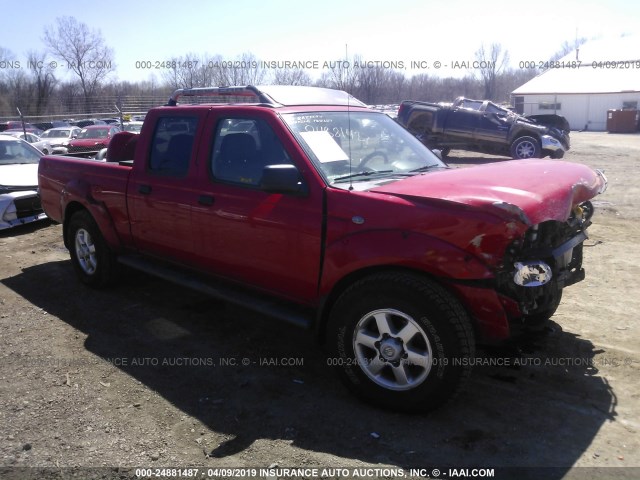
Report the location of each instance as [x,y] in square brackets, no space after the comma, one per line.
[242,148]
[172,145]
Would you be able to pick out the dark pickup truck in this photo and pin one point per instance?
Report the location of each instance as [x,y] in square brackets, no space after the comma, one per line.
[312,208]
[483,126]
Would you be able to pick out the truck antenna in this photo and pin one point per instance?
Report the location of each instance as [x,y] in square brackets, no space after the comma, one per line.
[346,53]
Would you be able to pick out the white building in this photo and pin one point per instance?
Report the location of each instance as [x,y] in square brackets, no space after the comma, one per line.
[604,76]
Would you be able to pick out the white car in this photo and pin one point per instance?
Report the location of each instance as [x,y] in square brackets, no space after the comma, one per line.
[59,138]
[41,144]
[19,200]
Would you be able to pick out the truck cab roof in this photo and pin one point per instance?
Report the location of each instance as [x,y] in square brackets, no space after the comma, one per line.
[272,95]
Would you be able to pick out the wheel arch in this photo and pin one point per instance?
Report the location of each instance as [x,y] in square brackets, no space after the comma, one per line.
[100,216]
[328,302]
[70,210]
[523,131]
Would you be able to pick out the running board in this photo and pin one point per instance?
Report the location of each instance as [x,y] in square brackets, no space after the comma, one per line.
[288,312]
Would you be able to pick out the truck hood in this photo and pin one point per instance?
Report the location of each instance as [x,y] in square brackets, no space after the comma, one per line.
[19,175]
[534,191]
[551,120]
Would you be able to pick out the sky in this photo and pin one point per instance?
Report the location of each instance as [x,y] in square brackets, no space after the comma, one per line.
[397,32]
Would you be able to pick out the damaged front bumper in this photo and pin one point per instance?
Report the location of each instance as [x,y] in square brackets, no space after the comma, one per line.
[553,145]
[546,260]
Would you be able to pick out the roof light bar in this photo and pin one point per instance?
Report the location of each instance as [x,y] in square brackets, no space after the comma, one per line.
[236,91]
[274,95]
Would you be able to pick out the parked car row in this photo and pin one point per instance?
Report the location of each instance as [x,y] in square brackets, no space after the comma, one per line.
[72,140]
[39,128]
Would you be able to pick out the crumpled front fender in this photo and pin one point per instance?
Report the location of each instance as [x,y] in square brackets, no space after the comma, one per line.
[386,248]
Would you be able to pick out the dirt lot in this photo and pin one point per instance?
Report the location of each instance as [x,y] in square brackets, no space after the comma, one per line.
[151,375]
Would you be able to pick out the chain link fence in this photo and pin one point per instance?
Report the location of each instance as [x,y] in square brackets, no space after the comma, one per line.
[105,106]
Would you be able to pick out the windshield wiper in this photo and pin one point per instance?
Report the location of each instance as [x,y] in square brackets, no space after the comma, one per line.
[426,168]
[362,174]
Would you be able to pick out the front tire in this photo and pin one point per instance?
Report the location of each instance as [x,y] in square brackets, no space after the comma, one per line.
[525,147]
[94,263]
[400,341]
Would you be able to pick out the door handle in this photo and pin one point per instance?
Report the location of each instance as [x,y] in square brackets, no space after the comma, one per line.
[205,200]
[144,189]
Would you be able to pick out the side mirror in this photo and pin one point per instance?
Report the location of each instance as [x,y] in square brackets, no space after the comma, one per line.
[283,178]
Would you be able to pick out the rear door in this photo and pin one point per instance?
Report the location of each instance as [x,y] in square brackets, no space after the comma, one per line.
[162,186]
[265,240]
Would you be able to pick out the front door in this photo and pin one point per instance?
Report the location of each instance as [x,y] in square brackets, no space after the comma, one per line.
[269,241]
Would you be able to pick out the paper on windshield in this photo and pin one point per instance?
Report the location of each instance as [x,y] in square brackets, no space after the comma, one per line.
[324,146]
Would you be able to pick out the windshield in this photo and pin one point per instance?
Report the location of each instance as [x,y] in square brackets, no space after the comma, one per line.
[56,134]
[14,151]
[357,146]
[93,133]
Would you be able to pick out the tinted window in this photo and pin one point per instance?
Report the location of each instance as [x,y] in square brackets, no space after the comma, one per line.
[242,148]
[172,145]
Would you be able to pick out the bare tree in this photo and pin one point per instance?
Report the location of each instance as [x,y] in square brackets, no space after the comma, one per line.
[185,72]
[43,79]
[84,52]
[15,87]
[371,83]
[291,76]
[397,88]
[244,70]
[491,61]
[340,74]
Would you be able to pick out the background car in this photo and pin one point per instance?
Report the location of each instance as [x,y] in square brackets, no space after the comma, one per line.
[87,122]
[33,139]
[132,126]
[44,126]
[60,137]
[92,139]
[19,200]
[17,125]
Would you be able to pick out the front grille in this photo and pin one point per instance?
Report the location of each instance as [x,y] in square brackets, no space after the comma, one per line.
[28,206]
[77,149]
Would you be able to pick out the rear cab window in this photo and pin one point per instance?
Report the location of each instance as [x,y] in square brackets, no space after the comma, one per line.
[172,145]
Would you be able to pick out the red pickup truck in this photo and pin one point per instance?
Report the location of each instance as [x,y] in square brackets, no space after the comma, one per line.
[310,207]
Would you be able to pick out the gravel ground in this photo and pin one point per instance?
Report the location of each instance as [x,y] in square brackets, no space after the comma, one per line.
[97,383]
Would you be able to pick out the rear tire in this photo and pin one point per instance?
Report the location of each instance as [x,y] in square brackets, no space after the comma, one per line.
[400,341]
[92,259]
